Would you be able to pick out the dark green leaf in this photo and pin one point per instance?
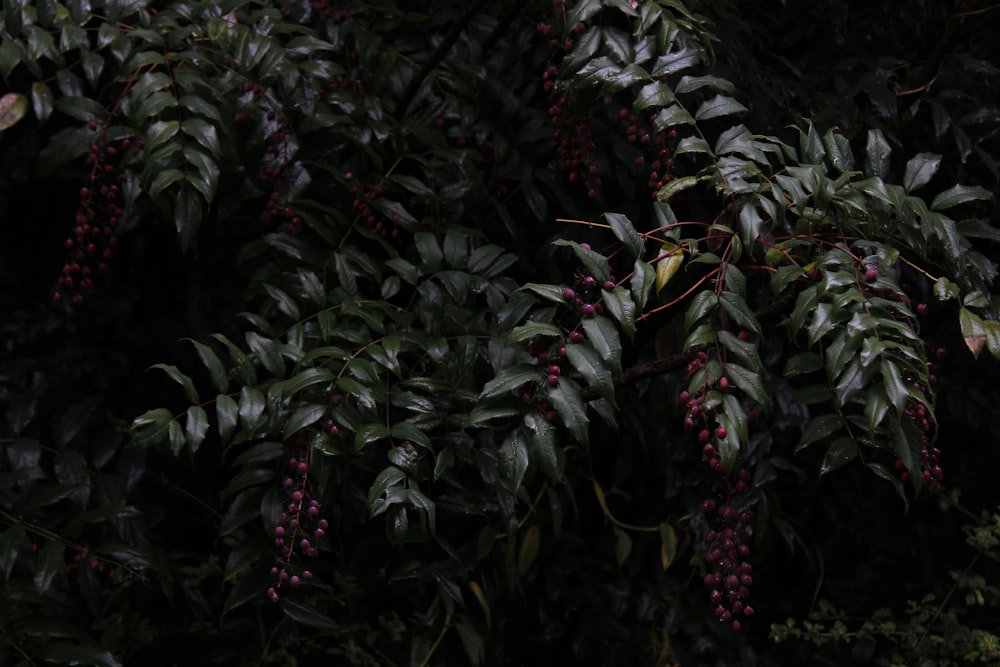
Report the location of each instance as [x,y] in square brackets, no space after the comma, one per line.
[626,233]
[877,154]
[840,452]
[960,194]
[216,371]
[618,303]
[720,105]
[819,428]
[305,415]
[568,404]
[180,378]
[919,170]
[195,427]
[542,443]
[605,339]
[748,382]
[736,307]
[514,459]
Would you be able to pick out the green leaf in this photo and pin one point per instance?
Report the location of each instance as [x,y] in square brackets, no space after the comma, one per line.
[216,370]
[595,263]
[188,212]
[509,379]
[720,105]
[840,452]
[180,378]
[514,459]
[307,615]
[431,255]
[674,187]
[227,412]
[74,653]
[252,405]
[877,153]
[369,433]
[691,144]
[960,194]
[817,429]
[876,407]
[653,94]
[244,367]
[195,427]
[641,284]
[946,290]
[703,303]
[736,307]
[748,382]
[838,151]
[593,369]
[605,339]
[569,406]
[919,170]
[618,303]
[671,117]
[542,443]
[549,292]
[626,233]
[530,330]
[305,415]
[896,389]
[389,477]
[267,352]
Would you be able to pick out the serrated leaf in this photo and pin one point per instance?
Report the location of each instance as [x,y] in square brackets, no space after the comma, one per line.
[877,406]
[702,304]
[594,262]
[838,150]
[268,353]
[252,404]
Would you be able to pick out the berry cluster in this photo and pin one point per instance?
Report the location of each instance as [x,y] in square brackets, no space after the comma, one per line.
[654,146]
[727,546]
[99,213]
[573,132]
[364,205]
[279,153]
[299,526]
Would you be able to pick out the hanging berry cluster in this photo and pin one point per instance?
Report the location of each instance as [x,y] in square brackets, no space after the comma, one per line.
[364,203]
[299,525]
[728,550]
[572,131]
[278,155]
[726,512]
[655,147]
[94,235]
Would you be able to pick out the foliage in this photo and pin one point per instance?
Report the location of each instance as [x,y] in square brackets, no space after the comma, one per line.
[508,331]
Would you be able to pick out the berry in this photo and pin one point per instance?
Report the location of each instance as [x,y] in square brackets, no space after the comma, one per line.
[552,380]
[871,274]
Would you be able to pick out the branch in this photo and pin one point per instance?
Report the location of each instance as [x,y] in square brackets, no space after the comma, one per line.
[435,59]
[941,49]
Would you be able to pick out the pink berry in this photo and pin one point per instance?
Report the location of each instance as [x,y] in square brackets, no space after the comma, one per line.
[871,274]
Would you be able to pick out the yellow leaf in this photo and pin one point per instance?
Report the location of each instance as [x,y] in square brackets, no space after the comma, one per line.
[672,256]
